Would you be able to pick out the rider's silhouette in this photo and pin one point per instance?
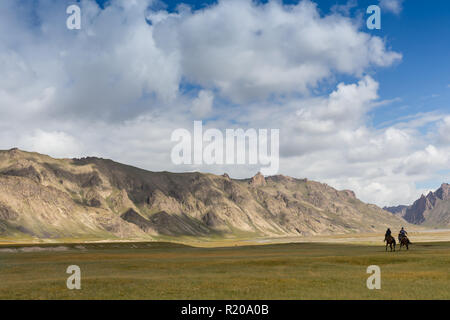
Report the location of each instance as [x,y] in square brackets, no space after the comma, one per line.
[402,234]
[388,233]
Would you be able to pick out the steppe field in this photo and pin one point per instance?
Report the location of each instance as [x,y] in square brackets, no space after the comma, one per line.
[331,267]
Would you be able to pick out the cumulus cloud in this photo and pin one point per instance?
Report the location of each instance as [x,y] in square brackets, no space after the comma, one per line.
[423,160]
[118,65]
[105,70]
[249,51]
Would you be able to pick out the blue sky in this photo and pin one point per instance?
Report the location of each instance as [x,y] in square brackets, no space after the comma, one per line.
[359,109]
[421,32]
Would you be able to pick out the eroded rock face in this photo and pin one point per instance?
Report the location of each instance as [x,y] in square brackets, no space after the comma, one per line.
[414,214]
[94,199]
[350,193]
[258,180]
[91,179]
[7,213]
[399,210]
[135,218]
[443,192]
[26,172]
[212,220]
[83,180]
[163,223]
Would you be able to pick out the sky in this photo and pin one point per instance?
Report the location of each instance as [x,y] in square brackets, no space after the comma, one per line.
[360,109]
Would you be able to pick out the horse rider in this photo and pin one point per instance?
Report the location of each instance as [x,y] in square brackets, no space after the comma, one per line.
[388,233]
[402,234]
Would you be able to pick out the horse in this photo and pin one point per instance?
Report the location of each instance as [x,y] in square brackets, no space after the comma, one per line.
[390,240]
[404,241]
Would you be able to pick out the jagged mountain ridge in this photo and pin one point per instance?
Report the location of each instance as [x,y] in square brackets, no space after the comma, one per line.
[398,210]
[430,210]
[44,197]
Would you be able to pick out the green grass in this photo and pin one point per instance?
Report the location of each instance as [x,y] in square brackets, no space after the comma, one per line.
[172,271]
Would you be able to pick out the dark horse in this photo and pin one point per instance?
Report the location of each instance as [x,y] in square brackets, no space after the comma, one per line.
[404,241]
[390,240]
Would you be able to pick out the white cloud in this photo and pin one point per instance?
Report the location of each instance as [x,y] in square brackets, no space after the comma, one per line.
[394,6]
[202,105]
[117,65]
[103,70]
[345,8]
[422,161]
[444,130]
[55,143]
[250,51]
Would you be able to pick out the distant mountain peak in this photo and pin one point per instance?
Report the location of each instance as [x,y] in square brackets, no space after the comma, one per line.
[443,192]
[432,209]
[226,176]
[258,180]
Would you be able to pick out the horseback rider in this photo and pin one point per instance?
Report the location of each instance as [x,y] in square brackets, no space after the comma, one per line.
[402,234]
[388,233]
[390,241]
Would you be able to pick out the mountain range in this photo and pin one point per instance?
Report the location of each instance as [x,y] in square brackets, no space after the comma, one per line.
[42,197]
[431,210]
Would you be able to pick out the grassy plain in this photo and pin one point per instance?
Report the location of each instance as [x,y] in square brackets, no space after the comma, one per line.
[162,270]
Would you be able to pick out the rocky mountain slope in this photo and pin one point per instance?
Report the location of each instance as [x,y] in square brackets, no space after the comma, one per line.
[398,210]
[42,197]
[431,210]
